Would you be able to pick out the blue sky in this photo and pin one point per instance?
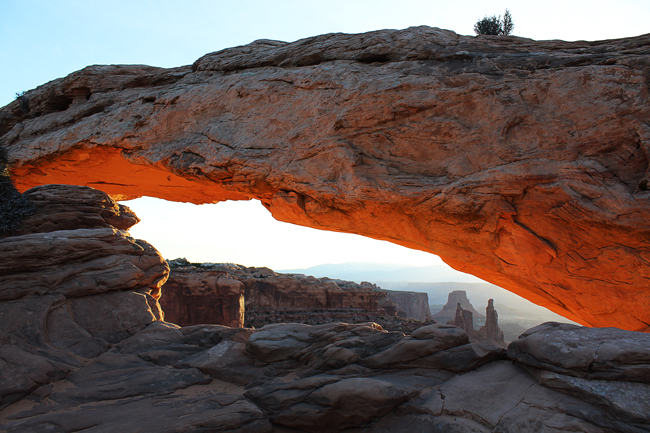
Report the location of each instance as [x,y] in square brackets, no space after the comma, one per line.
[43,40]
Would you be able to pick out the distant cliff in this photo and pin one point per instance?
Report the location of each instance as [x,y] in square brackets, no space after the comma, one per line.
[488,333]
[448,312]
[236,295]
[195,297]
[415,305]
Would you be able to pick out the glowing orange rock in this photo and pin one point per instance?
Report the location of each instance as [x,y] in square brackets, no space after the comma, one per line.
[522,162]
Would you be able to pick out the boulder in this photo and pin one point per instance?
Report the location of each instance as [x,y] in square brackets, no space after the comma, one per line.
[422,343]
[97,258]
[67,207]
[600,353]
[522,162]
[326,404]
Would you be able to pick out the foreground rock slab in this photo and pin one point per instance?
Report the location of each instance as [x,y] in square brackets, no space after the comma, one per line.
[318,379]
[606,353]
[523,162]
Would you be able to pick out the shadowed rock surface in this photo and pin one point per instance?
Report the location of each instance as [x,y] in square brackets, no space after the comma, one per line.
[604,353]
[68,294]
[104,361]
[194,298]
[522,162]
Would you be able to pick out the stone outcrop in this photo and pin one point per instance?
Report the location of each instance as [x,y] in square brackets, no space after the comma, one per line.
[450,311]
[414,304]
[73,359]
[324,379]
[72,284]
[602,354]
[75,245]
[193,298]
[522,162]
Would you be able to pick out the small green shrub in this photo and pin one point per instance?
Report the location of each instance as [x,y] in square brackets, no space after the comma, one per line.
[495,25]
[24,101]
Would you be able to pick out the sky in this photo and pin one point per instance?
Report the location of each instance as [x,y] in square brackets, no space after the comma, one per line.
[41,40]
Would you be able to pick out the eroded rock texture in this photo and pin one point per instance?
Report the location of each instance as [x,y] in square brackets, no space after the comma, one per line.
[522,162]
[193,298]
[94,356]
[226,294]
[72,284]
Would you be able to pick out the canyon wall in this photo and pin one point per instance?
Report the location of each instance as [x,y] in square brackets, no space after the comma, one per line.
[415,305]
[193,298]
[522,162]
[235,295]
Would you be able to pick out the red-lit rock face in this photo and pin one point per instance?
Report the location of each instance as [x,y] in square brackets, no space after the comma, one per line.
[522,162]
[194,298]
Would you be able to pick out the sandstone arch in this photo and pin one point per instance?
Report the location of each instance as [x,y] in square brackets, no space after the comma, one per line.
[523,162]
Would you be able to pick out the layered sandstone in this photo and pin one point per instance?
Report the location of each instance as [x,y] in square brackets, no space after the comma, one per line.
[74,359]
[193,298]
[224,294]
[73,283]
[522,162]
[75,245]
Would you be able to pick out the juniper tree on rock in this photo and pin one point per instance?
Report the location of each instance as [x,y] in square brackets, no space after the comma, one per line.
[495,25]
[507,25]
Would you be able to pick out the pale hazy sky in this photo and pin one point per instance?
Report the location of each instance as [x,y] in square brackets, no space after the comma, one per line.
[41,40]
